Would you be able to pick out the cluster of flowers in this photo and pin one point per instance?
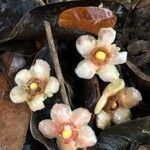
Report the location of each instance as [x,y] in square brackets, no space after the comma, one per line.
[71,127]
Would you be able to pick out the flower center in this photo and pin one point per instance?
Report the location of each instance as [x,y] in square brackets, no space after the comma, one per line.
[34,86]
[112,103]
[100,55]
[67,132]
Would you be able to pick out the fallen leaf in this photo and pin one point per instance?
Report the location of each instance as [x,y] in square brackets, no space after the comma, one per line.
[13,63]
[14,118]
[139,52]
[126,136]
[3,86]
[14,121]
[90,19]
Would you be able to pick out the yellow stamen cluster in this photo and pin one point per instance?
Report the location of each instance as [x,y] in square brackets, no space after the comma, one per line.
[100,55]
[67,132]
[33,86]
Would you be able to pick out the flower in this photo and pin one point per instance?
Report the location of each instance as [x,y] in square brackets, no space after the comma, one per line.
[69,127]
[115,103]
[34,85]
[100,55]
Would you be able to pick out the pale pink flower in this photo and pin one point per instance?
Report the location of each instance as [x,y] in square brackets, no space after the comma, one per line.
[69,127]
[115,103]
[100,55]
[34,85]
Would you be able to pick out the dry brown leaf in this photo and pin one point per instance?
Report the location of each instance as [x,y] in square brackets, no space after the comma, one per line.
[3,85]
[14,121]
[14,118]
[13,63]
[90,19]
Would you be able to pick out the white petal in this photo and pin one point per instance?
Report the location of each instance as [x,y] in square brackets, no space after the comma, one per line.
[103,120]
[62,146]
[37,103]
[51,87]
[47,128]
[119,58]
[41,69]
[121,115]
[60,113]
[85,69]
[108,73]
[23,76]
[85,44]
[106,36]
[86,137]
[81,116]
[18,95]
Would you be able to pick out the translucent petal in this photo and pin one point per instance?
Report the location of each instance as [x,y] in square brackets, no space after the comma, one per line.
[113,87]
[100,104]
[85,44]
[60,113]
[114,48]
[81,117]
[47,128]
[85,69]
[37,102]
[106,36]
[51,87]
[41,69]
[110,90]
[119,58]
[129,97]
[103,120]
[86,137]
[121,115]
[108,73]
[18,95]
[23,77]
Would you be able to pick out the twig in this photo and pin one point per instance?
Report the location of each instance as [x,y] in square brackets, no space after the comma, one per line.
[135,3]
[54,56]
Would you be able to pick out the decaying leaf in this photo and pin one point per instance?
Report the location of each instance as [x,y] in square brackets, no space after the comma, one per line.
[14,121]
[128,135]
[90,19]
[142,80]
[13,63]
[137,26]
[139,53]
[12,11]
[3,85]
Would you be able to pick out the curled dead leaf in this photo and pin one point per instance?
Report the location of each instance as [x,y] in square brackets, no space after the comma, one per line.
[142,80]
